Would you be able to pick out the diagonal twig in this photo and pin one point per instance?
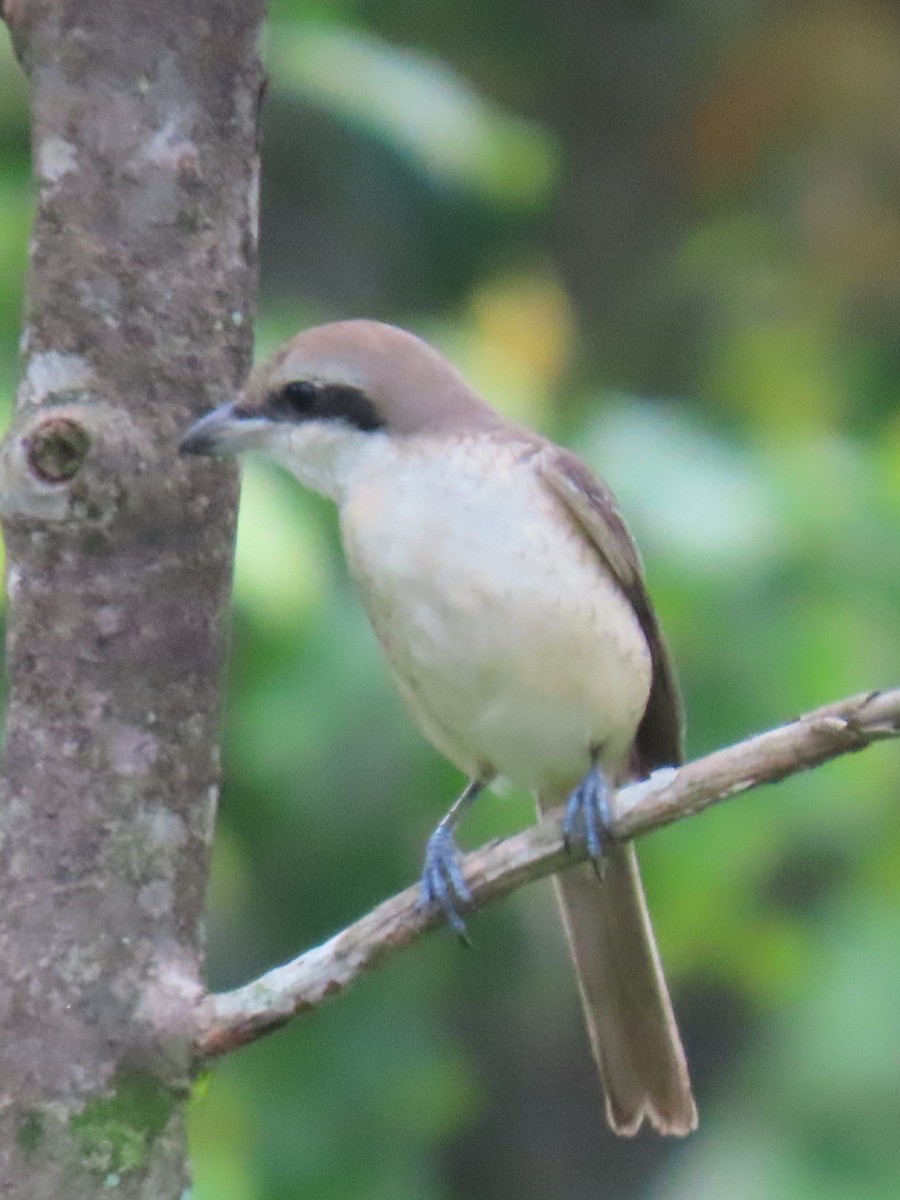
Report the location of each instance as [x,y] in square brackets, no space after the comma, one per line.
[227,1020]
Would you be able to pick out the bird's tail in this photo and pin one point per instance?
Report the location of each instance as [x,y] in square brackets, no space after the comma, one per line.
[626,1002]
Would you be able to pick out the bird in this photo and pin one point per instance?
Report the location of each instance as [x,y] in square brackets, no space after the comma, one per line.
[508,597]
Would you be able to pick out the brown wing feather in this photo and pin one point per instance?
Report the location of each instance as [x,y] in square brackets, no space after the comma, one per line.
[591,503]
[623,990]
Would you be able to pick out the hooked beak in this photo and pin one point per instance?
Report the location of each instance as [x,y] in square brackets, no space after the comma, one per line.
[222,432]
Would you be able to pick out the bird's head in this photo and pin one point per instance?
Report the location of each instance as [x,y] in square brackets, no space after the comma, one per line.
[334,392]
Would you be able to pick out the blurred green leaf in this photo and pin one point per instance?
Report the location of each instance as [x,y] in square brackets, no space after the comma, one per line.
[421,106]
[280,562]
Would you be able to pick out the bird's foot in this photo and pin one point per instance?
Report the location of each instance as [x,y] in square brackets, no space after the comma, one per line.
[589,815]
[442,881]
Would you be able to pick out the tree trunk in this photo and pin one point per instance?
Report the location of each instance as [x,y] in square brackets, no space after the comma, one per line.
[141,286]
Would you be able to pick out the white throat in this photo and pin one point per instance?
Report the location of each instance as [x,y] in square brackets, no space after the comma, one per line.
[326,455]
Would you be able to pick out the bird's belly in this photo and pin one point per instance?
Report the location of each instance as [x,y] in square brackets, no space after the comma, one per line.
[512,648]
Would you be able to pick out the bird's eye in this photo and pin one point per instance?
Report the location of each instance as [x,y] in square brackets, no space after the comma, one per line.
[299,396]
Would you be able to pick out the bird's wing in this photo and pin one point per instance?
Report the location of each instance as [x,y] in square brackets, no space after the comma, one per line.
[593,507]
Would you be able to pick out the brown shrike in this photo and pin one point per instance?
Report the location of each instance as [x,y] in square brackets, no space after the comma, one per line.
[508,597]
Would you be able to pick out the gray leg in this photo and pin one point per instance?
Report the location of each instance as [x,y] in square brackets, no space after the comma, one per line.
[588,815]
[442,881]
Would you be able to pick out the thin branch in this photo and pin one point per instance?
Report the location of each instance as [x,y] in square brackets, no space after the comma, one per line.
[231,1019]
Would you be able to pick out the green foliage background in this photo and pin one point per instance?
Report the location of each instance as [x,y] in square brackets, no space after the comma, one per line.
[667,234]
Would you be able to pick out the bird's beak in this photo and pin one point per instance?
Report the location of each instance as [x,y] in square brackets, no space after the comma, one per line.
[224,431]
[212,433]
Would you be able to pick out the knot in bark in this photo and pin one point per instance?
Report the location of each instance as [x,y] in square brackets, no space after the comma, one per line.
[56,448]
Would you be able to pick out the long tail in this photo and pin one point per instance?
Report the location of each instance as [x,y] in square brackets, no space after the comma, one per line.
[626,1002]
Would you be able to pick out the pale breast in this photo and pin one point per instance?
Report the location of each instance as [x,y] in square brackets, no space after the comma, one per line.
[511,646]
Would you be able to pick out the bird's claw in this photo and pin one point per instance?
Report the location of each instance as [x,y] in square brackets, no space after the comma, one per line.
[442,881]
[589,815]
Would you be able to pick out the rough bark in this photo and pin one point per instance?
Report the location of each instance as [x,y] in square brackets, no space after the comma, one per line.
[140,291]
